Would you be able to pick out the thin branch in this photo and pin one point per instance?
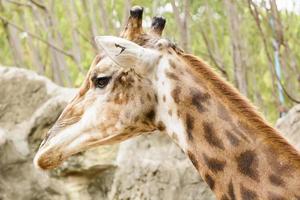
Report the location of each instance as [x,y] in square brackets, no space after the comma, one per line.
[212,57]
[85,37]
[39,5]
[286,92]
[255,16]
[37,37]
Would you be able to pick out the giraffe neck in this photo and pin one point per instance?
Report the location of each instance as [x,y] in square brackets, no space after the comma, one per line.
[233,149]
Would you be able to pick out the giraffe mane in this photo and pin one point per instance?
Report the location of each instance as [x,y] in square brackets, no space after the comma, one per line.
[243,107]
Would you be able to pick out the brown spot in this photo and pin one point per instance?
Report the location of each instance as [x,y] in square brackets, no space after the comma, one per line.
[164,98]
[118,99]
[276,180]
[248,194]
[189,125]
[175,94]
[150,115]
[139,87]
[149,97]
[210,136]
[146,123]
[172,64]
[172,75]
[214,164]
[170,112]
[224,197]
[231,191]
[161,126]
[273,196]
[198,98]
[156,99]
[193,159]
[132,128]
[178,113]
[234,141]
[247,164]
[210,181]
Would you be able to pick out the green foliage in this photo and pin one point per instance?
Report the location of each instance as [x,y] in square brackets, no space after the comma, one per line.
[262,90]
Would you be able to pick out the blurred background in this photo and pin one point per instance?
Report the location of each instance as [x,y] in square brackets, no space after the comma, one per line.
[47,46]
[252,43]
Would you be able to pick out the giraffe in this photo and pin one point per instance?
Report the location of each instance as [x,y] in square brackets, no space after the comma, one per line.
[140,83]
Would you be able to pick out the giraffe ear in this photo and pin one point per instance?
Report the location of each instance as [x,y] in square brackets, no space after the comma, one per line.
[125,53]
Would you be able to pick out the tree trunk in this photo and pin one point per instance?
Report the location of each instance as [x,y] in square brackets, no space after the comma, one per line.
[287,61]
[103,16]
[238,47]
[91,18]
[58,64]
[127,6]
[214,51]
[34,52]
[70,7]
[182,23]
[13,40]
[57,39]
[255,13]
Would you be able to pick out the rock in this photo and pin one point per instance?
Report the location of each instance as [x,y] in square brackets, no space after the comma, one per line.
[289,125]
[29,105]
[152,167]
[2,137]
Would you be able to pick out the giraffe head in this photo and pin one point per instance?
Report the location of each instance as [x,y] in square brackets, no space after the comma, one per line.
[117,99]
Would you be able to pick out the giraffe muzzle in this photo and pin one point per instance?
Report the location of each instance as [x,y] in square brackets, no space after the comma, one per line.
[51,152]
[60,144]
[48,160]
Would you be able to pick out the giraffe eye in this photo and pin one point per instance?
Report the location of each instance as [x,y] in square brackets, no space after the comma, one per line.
[101,82]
